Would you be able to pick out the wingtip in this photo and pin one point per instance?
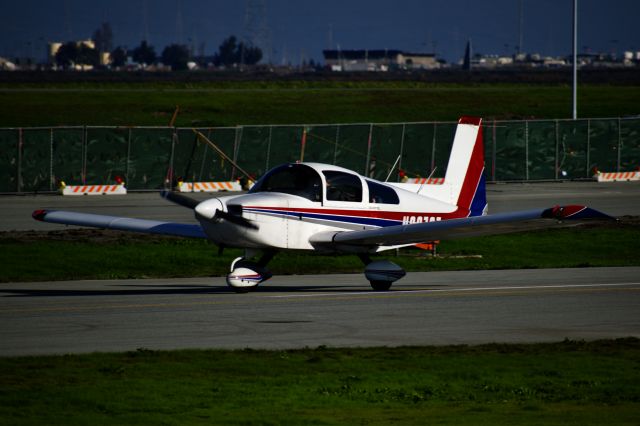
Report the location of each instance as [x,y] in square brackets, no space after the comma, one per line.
[39,214]
[575,212]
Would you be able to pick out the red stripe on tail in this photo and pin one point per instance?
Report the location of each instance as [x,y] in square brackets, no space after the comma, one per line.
[476,166]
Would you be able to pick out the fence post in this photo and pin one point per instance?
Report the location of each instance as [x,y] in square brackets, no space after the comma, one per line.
[433,149]
[303,142]
[366,166]
[51,177]
[526,149]
[404,125]
[619,142]
[126,167]
[493,154]
[588,150]
[168,180]
[557,154]
[335,147]
[19,176]
[266,164]
[236,149]
[588,145]
[84,155]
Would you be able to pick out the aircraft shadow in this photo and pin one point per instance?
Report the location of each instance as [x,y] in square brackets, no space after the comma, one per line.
[156,290]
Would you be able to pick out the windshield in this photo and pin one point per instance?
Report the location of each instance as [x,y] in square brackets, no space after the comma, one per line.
[294,179]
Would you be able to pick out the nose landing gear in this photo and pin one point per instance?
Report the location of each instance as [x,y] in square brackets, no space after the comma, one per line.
[245,275]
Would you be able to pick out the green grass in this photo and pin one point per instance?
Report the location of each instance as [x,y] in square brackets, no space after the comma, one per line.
[121,256]
[564,383]
[227,103]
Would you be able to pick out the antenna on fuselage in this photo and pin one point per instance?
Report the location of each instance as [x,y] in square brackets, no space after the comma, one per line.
[427,179]
[393,168]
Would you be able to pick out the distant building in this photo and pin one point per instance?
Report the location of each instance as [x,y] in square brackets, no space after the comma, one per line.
[426,61]
[631,58]
[7,65]
[378,60]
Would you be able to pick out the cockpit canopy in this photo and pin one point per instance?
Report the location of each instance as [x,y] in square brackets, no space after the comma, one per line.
[294,179]
[305,181]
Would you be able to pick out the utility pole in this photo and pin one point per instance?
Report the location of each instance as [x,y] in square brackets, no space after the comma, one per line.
[575,60]
[520,27]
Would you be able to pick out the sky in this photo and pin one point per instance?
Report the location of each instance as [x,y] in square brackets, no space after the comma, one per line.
[300,30]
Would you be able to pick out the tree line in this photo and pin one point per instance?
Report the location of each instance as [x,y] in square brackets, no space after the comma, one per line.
[231,53]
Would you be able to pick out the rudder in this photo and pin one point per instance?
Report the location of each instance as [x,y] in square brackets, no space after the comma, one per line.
[464,182]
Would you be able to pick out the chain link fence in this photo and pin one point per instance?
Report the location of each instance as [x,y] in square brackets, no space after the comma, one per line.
[150,158]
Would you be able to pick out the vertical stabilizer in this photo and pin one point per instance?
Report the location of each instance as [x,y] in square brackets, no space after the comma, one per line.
[464,183]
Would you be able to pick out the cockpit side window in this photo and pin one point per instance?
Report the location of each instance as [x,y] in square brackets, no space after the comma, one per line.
[343,186]
[382,194]
[294,179]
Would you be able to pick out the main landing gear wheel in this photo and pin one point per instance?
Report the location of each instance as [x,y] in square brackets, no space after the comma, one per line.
[381,273]
[381,285]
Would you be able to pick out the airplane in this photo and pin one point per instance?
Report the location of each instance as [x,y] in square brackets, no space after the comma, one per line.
[306,206]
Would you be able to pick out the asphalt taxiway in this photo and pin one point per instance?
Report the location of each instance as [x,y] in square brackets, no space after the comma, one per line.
[336,310]
[465,307]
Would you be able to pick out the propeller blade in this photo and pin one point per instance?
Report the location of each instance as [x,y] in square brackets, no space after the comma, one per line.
[238,220]
[179,199]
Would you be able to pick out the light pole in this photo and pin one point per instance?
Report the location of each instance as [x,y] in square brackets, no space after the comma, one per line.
[575,59]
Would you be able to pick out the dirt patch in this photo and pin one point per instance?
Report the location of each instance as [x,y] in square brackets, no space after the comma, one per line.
[83,235]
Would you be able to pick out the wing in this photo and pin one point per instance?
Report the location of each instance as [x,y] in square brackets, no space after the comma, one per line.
[456,228]
[120,223]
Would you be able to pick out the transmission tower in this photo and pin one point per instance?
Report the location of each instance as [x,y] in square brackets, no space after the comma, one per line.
[179,26]
[145,20]
[256,29]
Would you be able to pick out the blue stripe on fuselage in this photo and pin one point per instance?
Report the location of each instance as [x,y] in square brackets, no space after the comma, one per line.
[370,221]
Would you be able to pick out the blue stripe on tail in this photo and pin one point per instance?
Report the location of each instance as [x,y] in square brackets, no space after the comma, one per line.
[479,202]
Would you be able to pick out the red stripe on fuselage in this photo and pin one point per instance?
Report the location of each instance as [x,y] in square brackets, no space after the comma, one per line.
[370,214]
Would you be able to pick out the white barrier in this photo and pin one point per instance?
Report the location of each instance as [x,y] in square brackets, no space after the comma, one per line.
[93,189]
[427,181]
[209,186]
[618,177]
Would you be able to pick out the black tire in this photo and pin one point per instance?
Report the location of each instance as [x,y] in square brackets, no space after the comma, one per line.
[241,290]
[381,285]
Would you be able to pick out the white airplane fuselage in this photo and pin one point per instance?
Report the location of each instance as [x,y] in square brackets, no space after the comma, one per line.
[287,222]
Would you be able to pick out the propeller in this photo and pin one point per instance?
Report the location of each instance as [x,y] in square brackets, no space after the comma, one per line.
[237,219]
[179,199]
[234,215]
